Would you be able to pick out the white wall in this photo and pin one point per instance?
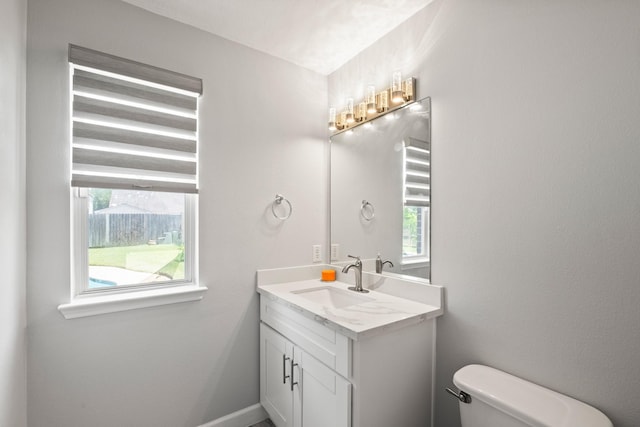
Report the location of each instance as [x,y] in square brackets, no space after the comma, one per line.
[184,364]
[13,351]
[536,201]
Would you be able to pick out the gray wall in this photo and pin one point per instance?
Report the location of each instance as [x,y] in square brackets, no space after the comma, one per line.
[536,207]
[536,195]
[183,364]
[13,351]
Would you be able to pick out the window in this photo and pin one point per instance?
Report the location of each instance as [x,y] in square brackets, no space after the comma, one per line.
[415,233]
[134,176]
[417,199]
[133,239]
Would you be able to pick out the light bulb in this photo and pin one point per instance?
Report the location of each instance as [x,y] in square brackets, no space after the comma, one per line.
[396,88]
[371,100]
[332,119]
[361,112]
[382,100]
[349,111]
[408,89]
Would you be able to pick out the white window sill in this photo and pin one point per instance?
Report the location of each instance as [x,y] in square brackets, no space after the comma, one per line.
[102,304]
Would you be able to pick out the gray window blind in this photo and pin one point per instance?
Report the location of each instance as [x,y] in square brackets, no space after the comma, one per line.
[134,125]
[417,172]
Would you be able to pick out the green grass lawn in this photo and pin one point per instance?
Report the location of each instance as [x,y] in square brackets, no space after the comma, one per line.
[167,260]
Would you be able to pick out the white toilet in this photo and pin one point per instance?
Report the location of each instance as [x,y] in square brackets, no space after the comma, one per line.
[497,399]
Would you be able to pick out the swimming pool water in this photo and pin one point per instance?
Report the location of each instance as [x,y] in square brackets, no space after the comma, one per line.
[98,283]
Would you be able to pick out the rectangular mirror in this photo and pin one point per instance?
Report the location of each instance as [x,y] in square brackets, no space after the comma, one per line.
[381,192]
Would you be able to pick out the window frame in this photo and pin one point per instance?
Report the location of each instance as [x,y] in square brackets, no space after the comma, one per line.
[109,300]
[424,207]
[425,211]
[80,279]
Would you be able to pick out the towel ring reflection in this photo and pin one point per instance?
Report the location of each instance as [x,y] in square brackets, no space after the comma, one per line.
[277,202]
[367,211]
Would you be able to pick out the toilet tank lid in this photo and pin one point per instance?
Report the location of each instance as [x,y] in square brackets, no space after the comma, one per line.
[528,402]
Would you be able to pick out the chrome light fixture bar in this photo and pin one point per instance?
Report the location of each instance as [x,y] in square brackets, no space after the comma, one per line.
[375,104]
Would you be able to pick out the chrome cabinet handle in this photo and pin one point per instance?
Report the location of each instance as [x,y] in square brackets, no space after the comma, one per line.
[292,382]
[284,368]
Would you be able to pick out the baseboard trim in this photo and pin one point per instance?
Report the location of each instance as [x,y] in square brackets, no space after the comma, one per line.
[244,417]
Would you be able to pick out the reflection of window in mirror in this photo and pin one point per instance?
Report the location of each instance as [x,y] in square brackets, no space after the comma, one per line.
[415,233]
[417,188]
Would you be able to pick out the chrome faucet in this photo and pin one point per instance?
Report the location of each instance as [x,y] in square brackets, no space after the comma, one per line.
[380,264]
[358,266]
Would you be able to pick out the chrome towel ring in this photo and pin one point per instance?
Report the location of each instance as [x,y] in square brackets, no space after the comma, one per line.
[277,202]
[367,211]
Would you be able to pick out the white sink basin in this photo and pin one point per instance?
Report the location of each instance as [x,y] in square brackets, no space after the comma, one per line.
[328,296]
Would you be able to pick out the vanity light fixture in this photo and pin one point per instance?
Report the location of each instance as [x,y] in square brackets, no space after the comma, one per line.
[361,112]
[382,100]
[332,119]
[400,94]
[408,87]
[371,100]
[349,111]
[397,94]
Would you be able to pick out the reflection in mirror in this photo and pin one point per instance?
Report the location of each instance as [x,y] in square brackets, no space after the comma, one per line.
[380,192]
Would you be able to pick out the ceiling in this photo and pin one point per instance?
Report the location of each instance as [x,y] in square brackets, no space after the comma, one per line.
[320,35]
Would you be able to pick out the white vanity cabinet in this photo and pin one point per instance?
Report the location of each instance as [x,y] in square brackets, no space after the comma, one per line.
[296,389]
[379,381]
[276,393]
[333,358]
[299,362]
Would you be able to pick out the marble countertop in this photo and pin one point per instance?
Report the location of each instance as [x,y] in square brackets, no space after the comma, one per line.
[371,317]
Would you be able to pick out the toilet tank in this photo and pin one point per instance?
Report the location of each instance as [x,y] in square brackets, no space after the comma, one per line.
[499,399]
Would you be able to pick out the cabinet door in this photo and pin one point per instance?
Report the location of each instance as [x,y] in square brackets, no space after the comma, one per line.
[275,376]
[325,397]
